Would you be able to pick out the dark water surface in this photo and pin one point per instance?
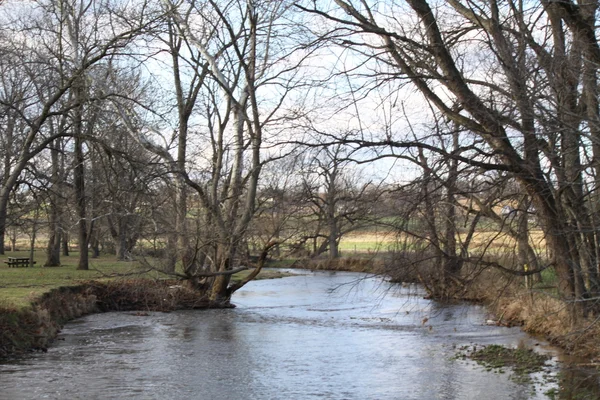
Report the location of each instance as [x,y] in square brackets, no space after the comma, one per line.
[316,336]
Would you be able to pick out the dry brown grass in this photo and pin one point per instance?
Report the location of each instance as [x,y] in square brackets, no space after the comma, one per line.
[497,242]
[542,314]
[538,312]
[483,242]
[350,264]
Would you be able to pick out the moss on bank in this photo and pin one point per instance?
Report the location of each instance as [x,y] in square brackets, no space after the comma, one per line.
[522,362]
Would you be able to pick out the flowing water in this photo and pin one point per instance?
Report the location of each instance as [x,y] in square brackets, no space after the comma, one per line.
[314,336]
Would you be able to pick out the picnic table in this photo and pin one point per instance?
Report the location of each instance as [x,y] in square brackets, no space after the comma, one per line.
[16,262]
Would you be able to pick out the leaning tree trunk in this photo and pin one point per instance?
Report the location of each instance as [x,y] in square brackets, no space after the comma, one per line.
[218,294]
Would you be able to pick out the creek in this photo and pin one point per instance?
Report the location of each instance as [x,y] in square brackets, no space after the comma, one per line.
[318,335]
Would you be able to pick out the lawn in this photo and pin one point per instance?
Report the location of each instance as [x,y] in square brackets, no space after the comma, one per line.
[20,286]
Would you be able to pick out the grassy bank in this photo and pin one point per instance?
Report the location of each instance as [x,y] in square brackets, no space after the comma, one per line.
[36,302]
[20,286]
[540,312]
[26,294]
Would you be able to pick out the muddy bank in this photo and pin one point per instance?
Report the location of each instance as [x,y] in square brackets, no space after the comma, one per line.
[35,327]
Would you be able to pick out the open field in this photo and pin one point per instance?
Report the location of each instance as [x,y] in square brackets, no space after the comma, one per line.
[368,242]
[19,286]
[490,242]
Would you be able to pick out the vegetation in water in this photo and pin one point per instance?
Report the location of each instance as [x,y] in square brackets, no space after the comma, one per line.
[521,361]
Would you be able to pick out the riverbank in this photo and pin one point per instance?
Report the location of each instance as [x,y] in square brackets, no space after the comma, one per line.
[322,334]
[36,302]
[537,310]
[542,314]
[34,327]
[41,310]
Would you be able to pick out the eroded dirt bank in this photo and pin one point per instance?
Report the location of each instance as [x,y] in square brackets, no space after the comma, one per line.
[35,327]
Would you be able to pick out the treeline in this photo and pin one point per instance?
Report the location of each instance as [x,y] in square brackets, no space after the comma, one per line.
[192,131]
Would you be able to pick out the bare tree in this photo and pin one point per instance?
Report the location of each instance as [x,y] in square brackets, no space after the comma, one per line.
[52,45]
[239,83]
[531,113]
[341,200]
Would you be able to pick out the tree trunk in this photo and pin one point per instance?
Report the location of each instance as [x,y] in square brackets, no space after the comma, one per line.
[94,246]
[53,248]
[3,217]
[452,264]
[7,185]
[65,244]
[121,239]
[429,214]
[79,184]
[13,240]
[171,253]
[526,256]
[33,237]
[332,238]
[219,295]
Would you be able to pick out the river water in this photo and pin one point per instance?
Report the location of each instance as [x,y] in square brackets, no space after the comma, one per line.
[319,335]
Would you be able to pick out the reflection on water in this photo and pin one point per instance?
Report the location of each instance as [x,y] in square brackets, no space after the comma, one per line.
[315,336]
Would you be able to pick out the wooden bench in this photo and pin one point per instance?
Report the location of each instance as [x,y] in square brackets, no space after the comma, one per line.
[16,262]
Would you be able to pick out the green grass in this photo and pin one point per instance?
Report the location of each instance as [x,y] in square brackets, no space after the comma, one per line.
[20,286]
[549,276]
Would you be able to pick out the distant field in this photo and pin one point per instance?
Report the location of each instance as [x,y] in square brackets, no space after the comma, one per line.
[18,286]
[365,242]
[488,241]
[495,242]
